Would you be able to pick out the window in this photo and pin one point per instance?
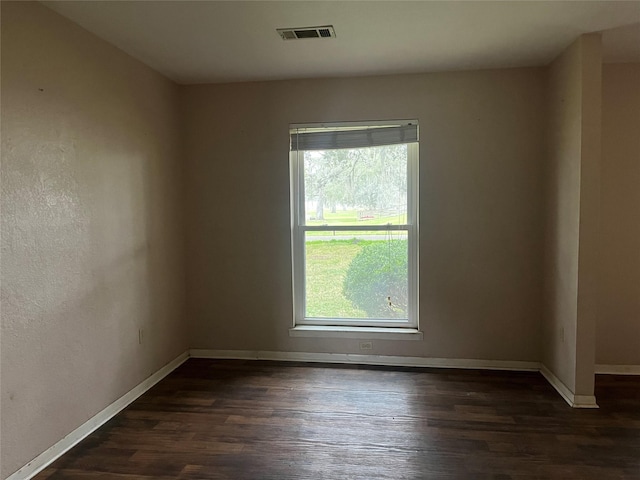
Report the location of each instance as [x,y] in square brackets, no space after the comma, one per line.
[355,224]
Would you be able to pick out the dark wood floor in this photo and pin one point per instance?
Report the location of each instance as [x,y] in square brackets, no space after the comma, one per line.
[266,420]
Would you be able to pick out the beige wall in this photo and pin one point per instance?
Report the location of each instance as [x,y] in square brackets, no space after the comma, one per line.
[572,196]
[91,237]
[588,263]
[481,153]
[618,328]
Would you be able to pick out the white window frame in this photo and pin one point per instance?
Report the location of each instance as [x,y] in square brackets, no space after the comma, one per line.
[299,228]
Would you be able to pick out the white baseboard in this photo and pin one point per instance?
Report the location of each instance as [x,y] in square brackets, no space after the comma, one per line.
[47,457]
[575,401]
[618,369]
[368,359]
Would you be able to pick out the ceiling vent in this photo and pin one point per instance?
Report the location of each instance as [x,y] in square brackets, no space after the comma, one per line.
[326,31]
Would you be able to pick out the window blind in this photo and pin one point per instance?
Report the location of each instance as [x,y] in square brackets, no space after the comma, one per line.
[333,139]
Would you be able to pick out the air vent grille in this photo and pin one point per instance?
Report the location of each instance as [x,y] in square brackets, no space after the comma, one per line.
[325,31]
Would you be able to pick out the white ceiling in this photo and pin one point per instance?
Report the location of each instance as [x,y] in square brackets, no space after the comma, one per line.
[227,41]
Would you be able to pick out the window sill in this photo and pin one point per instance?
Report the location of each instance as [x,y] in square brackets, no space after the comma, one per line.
[368,333]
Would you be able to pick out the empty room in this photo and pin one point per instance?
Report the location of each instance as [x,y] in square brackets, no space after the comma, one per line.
[320,240]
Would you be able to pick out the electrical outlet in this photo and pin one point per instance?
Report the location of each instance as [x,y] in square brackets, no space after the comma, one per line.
[366,345]
[140,336]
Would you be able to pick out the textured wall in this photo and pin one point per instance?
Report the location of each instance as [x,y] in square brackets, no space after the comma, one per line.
[563,201]
[481,155]
[618,329]
[91,236]
[588,262]
[572,199]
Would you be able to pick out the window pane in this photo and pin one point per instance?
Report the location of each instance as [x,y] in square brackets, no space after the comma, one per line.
[356,275]
[357,186]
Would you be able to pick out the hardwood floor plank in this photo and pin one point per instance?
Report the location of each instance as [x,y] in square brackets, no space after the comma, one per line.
[220,420]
